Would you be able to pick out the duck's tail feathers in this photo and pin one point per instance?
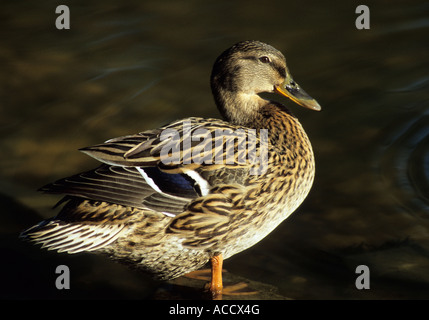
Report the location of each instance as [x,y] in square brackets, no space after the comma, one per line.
[72,237]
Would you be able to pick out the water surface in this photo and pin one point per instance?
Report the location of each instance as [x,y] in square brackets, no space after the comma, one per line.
[125,68]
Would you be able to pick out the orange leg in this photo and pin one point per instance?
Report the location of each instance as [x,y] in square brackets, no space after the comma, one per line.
[216,285]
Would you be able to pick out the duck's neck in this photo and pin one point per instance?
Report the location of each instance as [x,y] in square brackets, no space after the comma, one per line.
[238,107]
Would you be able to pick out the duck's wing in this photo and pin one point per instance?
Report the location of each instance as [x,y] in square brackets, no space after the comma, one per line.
[130,187]
[193,147]
[134,174]
[162,169]
[205,161]
[192,171]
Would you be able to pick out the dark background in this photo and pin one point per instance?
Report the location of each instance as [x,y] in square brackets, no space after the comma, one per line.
[124,68]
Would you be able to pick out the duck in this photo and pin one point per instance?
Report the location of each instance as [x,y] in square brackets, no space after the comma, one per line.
[170,200]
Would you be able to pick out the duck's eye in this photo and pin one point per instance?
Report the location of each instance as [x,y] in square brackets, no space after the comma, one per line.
[265,59]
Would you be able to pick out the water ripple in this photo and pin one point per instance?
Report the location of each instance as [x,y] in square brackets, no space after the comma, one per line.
[404,163]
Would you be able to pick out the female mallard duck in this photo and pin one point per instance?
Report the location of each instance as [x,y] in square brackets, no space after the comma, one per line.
[171,199]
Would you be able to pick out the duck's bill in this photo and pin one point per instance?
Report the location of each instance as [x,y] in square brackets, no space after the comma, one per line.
[293,91]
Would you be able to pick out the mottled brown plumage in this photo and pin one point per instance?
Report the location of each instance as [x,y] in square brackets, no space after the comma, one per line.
[170,217]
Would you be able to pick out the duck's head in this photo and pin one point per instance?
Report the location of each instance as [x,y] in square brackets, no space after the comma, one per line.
[248,68]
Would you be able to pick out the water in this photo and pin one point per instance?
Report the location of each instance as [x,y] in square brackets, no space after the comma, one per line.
[124,68]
